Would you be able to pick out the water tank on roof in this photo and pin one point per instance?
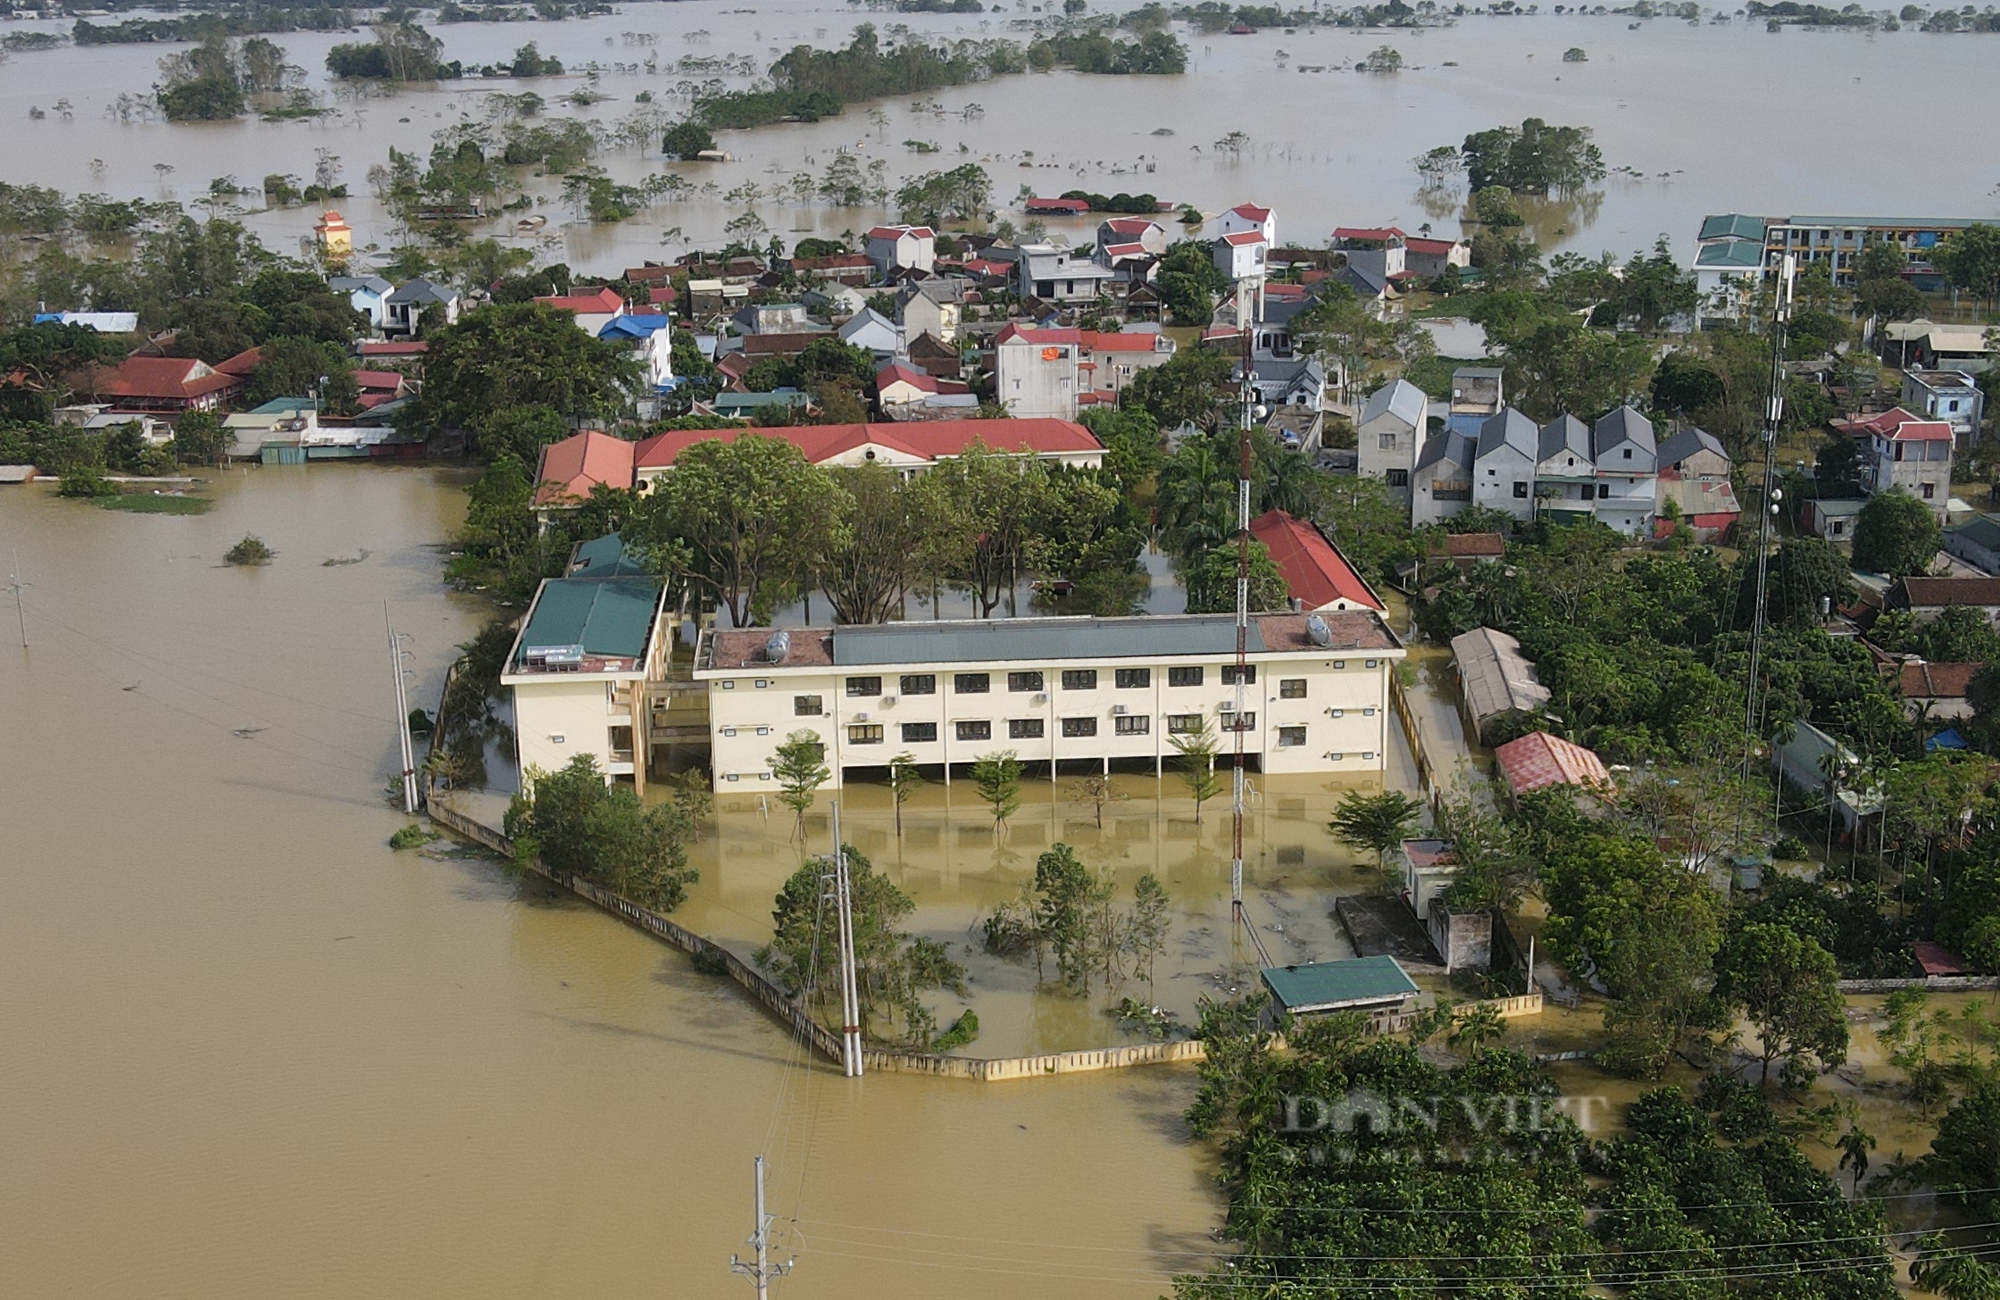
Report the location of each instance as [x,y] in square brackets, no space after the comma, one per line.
[1321,634]
[778,647]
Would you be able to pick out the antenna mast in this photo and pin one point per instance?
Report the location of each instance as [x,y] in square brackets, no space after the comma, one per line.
[1774,414]
[850,993]
[1246,401]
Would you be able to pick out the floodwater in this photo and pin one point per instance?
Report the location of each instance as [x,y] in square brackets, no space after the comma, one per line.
[250,1051]
[1707,118]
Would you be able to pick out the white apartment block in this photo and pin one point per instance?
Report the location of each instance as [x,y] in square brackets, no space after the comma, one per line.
[1052,691]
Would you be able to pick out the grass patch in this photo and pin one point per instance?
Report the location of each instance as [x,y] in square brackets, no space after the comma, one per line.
[145,503]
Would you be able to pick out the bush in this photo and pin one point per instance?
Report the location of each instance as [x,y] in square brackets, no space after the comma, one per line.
[251,550]
[685,140]
[963,1030]
[86,484]
[413,836]
[1790,848]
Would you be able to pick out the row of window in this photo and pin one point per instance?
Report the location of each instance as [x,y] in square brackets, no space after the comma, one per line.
[1178,724]
[1073,679]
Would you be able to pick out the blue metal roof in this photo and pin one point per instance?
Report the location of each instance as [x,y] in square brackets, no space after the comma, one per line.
[1358,983]
[1016,640]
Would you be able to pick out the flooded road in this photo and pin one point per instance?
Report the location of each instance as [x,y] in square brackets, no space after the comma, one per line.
[1325,145]
[250,1051]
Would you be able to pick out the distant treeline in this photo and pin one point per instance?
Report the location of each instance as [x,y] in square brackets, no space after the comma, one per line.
[809,84]
[1216,16]
[1142,205]
[941,6]
[247,21]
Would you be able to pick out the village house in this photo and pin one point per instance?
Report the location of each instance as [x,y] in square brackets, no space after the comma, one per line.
[1379,251]
[1131,246]
[168,385]
[1694,473]
[1977,542]
[1058,275]
[1240,256]
[1566,476]
[592,310]
[1427,259]
[1317,575]
[1948,395]
[932,307]
[368,294]
[578,671]
[1627,471]
[1394,422]
[1108,360]
[1936,692]
[651,340]
[1924,598]
[1540,761]
[1089,692]
[854,269]
[1048,372]
[1441,485]
[905,392]
[1833,519]
[774,318]
[334,236]
[902,248]
[1248,218]
[1955,347]
[1477,394]
[1901,450]
[1820,766]
[872,331]
[1495,680]
[570,470]
[406,308]
[936,358]
[1503,461]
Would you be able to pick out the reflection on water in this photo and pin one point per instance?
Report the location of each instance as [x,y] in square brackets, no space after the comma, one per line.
[250,1051]
[1666,101]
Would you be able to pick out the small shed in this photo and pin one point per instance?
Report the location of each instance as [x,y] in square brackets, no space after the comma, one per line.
[1495,679]
[1358,984]
[1539,760]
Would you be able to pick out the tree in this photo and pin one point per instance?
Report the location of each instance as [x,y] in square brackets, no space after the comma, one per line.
[1095,790]
[1188,388]
[1197,765]
[1896,534]
[1067,893]
[997,777]
[1197,498]
[892,540]
[799,766]
[1189,282]
[1536,158]
[904,781]
[1789,987]
[201,439]
[1211,583]
[747,520]
[993,501]
[1855,1144]
[521,432]
[296,366]
[1970,259]
[1964,1159]
[1377,822]
[509,355]
[1146,929]
[579,825]
[962,194]
[1558,365]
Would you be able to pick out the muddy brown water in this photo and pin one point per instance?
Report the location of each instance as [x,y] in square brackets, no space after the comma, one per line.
[250,1051]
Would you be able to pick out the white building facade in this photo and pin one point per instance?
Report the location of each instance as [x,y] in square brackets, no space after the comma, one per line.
[1081,691]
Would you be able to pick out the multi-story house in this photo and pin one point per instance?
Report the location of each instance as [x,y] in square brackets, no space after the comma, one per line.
[1565,474]
[1899,450]
[1627,461]
[1394,421]
[1477,394]
[1503,464]
[1057,275]
[1441,484]
[1948,395]
[1083,691]
[902,248]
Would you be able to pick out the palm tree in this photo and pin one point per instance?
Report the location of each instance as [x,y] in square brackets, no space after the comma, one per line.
[1855,1145]
[1197,499]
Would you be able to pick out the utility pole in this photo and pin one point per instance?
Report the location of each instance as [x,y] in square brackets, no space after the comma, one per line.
[850,995]
[15,585]
[402,713]
[1774,414]
[760,1271]
[1246,398]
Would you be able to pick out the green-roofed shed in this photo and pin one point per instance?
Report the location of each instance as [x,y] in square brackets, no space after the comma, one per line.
[589,619]
[1731,254]
[605,557]
[1359,984]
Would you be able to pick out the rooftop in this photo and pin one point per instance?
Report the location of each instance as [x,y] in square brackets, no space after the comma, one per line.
[589,625]
[1316,573]
[1040,640]
[1928,681]
[1498,677]
[1931,593]
[572,468]
[1359,982]
[820,443]
[1539,760]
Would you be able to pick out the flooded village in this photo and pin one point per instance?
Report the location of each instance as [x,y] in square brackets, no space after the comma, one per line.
[721,655]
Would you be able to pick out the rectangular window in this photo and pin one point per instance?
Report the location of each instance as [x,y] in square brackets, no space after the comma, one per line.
[971,683]
[863,686]
[1075,727]
[1291,737]
[1024,729]
[1385,441]
[1248,672]
[1079,679]
[916,733]
[1520,490]
[973,730]
[1291,688]
[1024,681]
[1603,491]
[1184,676]
[1930,490]
[1184,724]
[1239,722]
[864,733]
[1399,478]
[1132,726]
[807,706]
[1133,679]
[920,683]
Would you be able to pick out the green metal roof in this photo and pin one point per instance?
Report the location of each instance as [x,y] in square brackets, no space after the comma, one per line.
[1733,225]
[752,401]
[1339,985]
[284,406]
[606,616]
[1884,223]
[1984,531]
[1731,253]
[605,557]
[1021,639]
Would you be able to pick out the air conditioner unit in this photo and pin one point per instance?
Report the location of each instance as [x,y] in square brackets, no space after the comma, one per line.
[1117,709]
[861,717]
[888,700]
[1040,699]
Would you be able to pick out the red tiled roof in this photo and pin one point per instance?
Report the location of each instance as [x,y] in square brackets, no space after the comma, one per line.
[1464,546]
[1930,593]
[647,274]
[1134,249]
[163,379]
[1130,225]
[241,364]
[1936,959]
[931,441]
[780,345]
[1251,212]
[1429,245]
[1285,292]
[1928,681]
[1030,334]
[388,379]
[1315,572]
[897,232]
[1922,431]
[577,464]
[1375,233]
[664,297]
[1898,424]
[1121,340]
[987,266]
[833,262]
[1243,238]
[1538,760]
[604,300]
[1056,205]
[393,347]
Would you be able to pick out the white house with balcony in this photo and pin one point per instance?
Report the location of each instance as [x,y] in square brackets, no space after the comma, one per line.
[1627,460]
[1082,692]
